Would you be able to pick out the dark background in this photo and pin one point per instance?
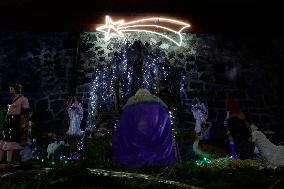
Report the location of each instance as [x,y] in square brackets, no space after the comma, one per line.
[41,37]
[222,16]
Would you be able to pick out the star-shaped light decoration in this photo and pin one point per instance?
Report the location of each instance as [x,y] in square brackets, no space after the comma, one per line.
[110,28]
[168,28]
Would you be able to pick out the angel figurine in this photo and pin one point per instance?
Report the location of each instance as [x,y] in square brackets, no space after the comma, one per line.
[75,111]
[200,113]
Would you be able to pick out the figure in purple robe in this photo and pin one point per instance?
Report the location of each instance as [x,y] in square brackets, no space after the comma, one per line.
[143,137]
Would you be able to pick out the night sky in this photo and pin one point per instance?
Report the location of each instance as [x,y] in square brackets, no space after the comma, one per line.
[217,16]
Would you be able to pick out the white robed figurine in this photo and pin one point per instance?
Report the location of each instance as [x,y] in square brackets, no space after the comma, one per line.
[75,112]
[200,113]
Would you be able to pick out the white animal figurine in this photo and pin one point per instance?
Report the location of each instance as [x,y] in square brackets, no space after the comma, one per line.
[271,153]
[52,148]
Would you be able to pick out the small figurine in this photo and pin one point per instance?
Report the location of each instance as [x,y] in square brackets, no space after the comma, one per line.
[75,111]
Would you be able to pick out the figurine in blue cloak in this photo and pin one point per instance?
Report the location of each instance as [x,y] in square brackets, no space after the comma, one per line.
[143,137]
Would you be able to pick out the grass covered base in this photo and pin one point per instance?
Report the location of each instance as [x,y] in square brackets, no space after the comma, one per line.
[218,173]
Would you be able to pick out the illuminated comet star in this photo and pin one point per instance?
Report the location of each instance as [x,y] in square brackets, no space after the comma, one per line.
[161,26]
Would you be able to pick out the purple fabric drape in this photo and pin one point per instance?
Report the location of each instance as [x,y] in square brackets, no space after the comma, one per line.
[143,137]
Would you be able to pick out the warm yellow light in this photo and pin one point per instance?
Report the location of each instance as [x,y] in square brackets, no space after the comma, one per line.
[117,28]
[110,25]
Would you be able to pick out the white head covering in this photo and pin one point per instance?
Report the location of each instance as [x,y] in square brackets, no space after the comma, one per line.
[142,91]
[253,127]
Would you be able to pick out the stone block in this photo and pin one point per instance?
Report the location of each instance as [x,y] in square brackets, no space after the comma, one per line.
[89,70]
[192,94]
[220,79]
[255,118]
[221,115]
[102,59]
[61,74]
[269,100]
[42,105]
[97,48]
[240,95]
[181,55]
[54,97]
[196,85]
[55,126]
[248,103]
[193,75]
[40,117]
[205,77]
[101,52]
[190,66]
[257,110]
[220,104]
[57,105]
[266,119]
[212,114]
[221,95]
[189,58]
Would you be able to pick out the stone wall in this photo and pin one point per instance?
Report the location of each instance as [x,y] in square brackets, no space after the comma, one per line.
[215,65]
[43,64]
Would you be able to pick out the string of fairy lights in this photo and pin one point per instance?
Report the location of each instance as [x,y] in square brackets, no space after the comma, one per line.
[127,73]
[154,71]
[183,94]
[119,72]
